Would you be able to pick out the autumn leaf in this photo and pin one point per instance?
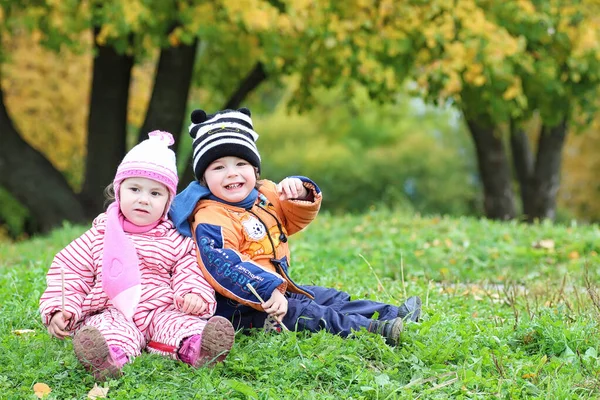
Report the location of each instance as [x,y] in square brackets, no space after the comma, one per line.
[20,332]
[98,392]
[41,390]
[543,244]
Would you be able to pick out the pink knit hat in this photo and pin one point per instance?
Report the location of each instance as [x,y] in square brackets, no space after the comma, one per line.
[150,159]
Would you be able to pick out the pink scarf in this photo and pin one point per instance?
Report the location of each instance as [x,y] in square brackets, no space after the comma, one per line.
[121,279]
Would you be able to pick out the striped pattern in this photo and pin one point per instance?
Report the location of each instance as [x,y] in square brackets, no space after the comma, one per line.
[168,267]
[227,133]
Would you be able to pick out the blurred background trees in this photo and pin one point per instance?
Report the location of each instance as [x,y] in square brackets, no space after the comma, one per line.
[457,107]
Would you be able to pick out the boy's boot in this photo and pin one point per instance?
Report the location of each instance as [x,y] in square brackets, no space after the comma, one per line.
[102,360]
[390,330]
[212,346]
[411,309]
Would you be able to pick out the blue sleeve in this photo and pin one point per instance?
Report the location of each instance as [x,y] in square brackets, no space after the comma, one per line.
[228,273]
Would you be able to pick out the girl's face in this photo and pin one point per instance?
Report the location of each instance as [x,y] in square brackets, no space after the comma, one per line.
[143,200]
[230,178]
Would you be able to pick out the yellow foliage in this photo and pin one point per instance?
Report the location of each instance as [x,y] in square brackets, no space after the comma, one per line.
[513,90]
[174,37]
[132,12]
[47,96]
[587,39]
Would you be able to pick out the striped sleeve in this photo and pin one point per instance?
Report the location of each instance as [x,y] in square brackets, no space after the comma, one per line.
[76,262]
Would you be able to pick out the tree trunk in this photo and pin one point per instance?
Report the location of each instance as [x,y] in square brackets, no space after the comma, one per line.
[495,172]
[33,180]
[107,124]
[172,82]
[545,181]
[523,164]
[540,182]
[254,78]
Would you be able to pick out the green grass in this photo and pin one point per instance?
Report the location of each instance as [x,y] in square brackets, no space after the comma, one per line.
[503,318]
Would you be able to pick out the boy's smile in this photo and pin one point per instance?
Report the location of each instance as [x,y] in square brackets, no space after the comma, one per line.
[230,178]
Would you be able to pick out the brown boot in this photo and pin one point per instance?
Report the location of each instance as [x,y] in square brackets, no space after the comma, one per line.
[96,356]
[211,347]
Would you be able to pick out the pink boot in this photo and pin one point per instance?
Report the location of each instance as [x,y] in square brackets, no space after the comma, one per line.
[213,345]
[96,355]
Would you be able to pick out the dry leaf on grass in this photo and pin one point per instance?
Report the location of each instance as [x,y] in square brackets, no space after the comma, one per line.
[41,390]
[97,392]
[544,244]
[23,331]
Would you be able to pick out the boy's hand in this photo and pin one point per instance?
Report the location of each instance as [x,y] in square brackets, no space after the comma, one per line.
[58,324]
[291,188]
[191,304]
[276,306]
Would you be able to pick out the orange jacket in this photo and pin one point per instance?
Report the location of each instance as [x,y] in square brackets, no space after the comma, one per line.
[237,246]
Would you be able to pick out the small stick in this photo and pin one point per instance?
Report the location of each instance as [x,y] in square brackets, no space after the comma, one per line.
[402,272]
[254,292]
[62,286]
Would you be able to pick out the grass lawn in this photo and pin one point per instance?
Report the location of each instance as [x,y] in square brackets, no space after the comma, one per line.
[510,311]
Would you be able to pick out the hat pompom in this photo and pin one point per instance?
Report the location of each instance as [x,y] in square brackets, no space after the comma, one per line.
[198,116]
[244,110]
[162,136]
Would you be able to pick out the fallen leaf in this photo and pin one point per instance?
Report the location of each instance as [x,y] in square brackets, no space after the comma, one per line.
[41,390]
[97,392]
[23,331]
[544,244]
[529,376]
[574,255]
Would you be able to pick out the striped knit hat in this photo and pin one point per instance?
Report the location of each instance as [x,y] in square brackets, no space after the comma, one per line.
[225,133]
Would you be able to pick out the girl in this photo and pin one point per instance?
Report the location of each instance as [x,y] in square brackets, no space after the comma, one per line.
[131,281]
[241,230]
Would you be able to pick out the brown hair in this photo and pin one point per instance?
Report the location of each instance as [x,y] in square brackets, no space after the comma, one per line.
[109,195]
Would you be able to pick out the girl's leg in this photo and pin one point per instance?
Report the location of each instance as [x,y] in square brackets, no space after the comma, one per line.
[104,342]
[191,339]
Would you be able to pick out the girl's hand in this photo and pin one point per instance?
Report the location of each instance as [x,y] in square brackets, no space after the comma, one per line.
[276,306]
[58,324]
[191,304]
[291,188]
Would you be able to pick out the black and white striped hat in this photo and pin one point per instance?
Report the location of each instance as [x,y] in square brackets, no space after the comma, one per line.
[222,134]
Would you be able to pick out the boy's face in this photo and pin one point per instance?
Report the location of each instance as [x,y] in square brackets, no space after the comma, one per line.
[230,178]
[143,200]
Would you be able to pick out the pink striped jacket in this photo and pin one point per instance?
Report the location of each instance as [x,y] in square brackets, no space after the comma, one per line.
[168,268]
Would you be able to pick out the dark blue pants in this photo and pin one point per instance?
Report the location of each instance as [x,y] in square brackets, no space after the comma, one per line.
[331,310]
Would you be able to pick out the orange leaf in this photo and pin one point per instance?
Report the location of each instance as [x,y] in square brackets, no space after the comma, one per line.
[574,255]
[41,390]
